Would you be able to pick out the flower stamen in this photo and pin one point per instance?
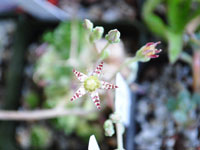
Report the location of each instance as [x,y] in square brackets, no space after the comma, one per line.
[91,84]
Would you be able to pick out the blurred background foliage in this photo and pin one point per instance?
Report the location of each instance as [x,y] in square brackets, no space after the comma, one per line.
[53,71]
[182,107]
[178,13]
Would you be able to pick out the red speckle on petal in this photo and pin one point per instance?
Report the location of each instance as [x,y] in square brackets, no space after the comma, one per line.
[77,94]
[96,101]
[95,97]
[78,74]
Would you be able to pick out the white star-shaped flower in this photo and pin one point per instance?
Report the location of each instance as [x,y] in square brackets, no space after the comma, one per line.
[90,84]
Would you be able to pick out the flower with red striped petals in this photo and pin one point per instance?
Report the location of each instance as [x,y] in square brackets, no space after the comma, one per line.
[90,84]
[148,51]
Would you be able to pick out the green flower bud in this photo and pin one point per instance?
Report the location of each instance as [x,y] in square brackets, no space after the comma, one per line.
[88,25]
[113,36]
[116,118]
[97,34]
[109,128]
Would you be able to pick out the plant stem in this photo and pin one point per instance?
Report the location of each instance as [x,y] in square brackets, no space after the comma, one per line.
[186,58]
[29,115]
[196,71]
[73,44]
[126,62]
[119,136]
[95,47]
[106,46]
[194,40]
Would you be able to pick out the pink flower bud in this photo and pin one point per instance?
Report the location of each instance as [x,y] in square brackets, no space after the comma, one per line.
[148,51]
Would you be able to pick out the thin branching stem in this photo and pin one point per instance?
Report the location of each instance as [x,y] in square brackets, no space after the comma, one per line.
[28,115]
[126,63]
[105,47]
[119,136]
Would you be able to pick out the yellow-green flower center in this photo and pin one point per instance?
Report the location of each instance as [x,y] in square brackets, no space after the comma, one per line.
[91,83]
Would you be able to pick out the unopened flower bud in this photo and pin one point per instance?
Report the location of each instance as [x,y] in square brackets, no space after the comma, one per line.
[116,118]
[148,51]
[88,25]
[109,128]
[97,34]
[113,36]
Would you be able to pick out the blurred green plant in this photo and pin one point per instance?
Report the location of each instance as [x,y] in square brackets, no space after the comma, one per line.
[179,14]
[32,99]
[61,38]
[183,106]
[40,137]
[85,130]
[68,44]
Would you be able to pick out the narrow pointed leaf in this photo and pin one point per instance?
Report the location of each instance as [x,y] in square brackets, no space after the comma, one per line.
[93,145]
[123,100]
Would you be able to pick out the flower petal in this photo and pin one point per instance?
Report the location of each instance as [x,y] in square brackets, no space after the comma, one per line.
[79,93]
[106,85]
[146,52]
[154,56]
[158,51]
[149,44]
[95,99]
[98,69]
[80,75]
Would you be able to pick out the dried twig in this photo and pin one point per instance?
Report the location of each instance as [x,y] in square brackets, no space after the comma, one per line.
[28,115]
